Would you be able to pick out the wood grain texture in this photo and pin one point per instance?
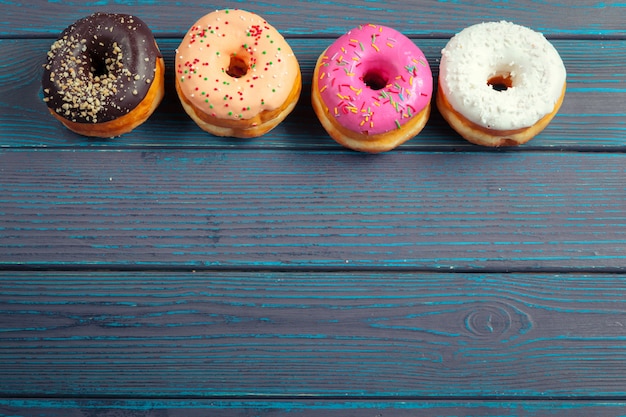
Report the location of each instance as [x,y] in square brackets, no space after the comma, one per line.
[584,18]
[590,118]
[172,273]
[303,408]
[290,209]
[321,335]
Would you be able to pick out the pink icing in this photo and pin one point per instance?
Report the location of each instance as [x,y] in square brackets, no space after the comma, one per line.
[374,79]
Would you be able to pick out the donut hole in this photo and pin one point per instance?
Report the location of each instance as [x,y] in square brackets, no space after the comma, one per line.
[98,64]
[377,73]
[99,68]
[375,79]
[501,82]
[238,66]
[104,59]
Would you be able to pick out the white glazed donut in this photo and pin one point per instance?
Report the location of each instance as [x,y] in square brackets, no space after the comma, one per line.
[500,84]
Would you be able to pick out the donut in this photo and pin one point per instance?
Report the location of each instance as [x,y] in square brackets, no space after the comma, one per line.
[372,89]
[104,75]
[236,75]
[500,84]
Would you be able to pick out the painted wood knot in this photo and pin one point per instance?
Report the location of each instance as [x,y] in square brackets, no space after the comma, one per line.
[488,321]
[497,321]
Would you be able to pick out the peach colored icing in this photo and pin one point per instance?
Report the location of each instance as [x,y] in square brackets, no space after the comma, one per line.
[374,79]
[210,46]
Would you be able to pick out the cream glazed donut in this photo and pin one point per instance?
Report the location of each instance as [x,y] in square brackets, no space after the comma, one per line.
[236,75]
[372,89]
[500,84]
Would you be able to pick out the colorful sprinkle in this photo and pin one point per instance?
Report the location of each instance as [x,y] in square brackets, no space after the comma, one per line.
[352,98]
[205,45]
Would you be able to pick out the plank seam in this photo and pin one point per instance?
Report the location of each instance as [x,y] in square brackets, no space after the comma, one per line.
[322,398]
[302,269]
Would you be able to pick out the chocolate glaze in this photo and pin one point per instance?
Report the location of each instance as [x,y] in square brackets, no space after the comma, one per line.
[100,68]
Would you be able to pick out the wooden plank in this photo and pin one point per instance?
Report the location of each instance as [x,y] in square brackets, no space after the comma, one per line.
[305,209]
[372,328]
[346,336]
[424,18]
[592,116]
[303,408]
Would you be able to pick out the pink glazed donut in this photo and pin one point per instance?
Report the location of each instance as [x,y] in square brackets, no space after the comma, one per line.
[372,89]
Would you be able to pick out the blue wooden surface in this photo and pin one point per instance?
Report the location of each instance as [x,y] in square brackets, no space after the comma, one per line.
[335,408]
[305,209]
[325,335]
[170,272]
[305,18]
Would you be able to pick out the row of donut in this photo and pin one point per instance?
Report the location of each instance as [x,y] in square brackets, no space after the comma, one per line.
[500,83]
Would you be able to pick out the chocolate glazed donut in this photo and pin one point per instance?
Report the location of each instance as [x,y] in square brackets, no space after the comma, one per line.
[99,73]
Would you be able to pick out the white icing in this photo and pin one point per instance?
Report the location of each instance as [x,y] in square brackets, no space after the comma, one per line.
[482,51]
